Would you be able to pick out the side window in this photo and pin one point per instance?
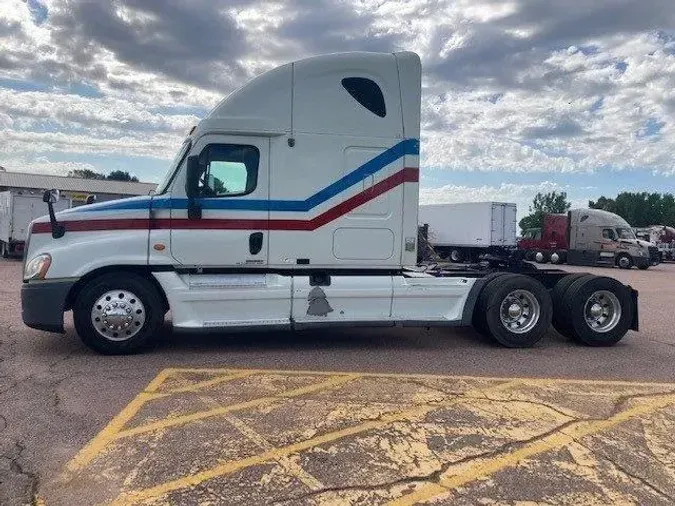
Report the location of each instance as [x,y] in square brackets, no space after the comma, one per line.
[367,93]
[229,170]
[608,233]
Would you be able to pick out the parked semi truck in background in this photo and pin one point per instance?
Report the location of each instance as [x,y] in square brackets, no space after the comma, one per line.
[661,236]
[309,215]
[464,232]
[17,210]
[587,237]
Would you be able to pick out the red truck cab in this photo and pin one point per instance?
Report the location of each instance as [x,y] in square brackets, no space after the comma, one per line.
[548,242]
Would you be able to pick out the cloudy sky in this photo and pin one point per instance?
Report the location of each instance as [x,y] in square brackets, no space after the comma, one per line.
[519,96]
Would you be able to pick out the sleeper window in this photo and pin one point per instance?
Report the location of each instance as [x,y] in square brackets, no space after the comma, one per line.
[229,170]
[367,93]
[608,233]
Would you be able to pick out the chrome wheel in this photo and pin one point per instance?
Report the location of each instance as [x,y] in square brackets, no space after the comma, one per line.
[555,258]
[602,311]
[519,311]
[624,262]
[118,315]
[539,257]
[456,256]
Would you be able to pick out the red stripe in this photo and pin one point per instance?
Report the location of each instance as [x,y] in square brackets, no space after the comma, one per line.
[407,175]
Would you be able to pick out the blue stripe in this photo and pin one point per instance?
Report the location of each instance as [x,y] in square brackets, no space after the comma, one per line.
[406,147]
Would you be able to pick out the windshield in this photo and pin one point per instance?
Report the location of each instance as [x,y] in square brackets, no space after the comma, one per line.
[174,165]
[625,233]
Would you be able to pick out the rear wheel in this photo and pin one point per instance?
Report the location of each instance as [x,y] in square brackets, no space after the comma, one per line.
[557,257]
[624,261]
[491,282]
[456,255]
[4,250]
[643,267]
[560,318]
[600,310]
[529,255]
[518,311]
[541,257]
[118,313]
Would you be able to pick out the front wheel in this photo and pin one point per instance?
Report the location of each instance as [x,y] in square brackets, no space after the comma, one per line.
[118,313]
[624,261]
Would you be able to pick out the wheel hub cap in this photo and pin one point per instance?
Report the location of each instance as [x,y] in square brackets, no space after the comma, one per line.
[515,310]
[118,315]
[519,311]
[602,311]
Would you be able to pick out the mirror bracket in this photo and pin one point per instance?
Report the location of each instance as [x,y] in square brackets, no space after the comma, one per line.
[49,197]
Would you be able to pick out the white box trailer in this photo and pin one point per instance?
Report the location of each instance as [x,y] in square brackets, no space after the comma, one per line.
[294,205]
[17,211]
[464,231]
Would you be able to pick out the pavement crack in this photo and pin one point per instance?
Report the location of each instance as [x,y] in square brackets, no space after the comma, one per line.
[633,476]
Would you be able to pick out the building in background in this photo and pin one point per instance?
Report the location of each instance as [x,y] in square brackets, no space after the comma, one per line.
[75,189]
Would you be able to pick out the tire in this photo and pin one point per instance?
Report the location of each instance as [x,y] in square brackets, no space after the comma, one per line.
[456,255]
[4,250]
[139,295]
[597,288]
[643,267]
[560,318]
[529,255]
[624,261]
[541,257]
[530,298]
[479,310]
[557,257]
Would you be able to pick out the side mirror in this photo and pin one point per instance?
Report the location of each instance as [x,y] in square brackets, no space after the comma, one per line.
[194,170]
[51,196]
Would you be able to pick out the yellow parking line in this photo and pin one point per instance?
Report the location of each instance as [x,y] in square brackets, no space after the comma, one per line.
[110,431]
[288,464]
[537,380]
[454,478]
[138,496]
[200,415]
[209,383]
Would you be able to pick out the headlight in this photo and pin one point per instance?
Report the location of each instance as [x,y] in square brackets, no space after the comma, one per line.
[37,267]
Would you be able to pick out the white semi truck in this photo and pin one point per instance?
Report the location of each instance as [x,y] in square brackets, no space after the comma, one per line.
[293,205]
[465,231]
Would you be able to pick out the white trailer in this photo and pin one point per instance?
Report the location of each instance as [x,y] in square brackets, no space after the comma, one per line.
[17,211]
[464,231]
[294,205]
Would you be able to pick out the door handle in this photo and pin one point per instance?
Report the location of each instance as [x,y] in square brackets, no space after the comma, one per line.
[255,242]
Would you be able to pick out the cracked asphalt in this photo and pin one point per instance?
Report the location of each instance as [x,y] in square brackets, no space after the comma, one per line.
[537,440]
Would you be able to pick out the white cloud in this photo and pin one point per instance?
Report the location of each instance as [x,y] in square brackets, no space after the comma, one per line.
[516,86]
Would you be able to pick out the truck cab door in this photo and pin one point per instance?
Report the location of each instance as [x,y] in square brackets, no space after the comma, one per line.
[230,225]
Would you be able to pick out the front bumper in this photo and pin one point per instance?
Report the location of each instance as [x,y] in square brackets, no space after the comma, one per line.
[43,304]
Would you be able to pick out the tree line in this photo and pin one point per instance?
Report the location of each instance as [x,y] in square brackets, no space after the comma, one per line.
[115,175]
[640,209]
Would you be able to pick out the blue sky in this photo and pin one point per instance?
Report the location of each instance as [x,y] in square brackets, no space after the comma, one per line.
[519,96]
